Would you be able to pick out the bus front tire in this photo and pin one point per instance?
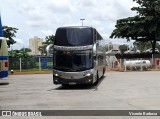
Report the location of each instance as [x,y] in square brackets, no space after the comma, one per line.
[104,70]
[97,79]
[65,85]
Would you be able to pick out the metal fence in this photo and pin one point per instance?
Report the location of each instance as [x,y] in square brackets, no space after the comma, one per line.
[114,62]
[136,62]
[34,63]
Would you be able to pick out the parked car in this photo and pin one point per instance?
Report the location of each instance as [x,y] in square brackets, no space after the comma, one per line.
[150,50]
[114,51]
[132,51]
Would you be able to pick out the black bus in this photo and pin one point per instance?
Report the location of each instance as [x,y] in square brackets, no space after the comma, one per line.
[79,56]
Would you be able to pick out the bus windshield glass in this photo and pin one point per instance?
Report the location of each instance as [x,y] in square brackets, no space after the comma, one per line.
[73,37]
[73,60]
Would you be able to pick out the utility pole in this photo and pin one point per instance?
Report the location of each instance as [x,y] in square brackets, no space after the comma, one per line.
[82,21]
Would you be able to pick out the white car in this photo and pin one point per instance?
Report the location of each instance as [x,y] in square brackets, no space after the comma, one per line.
[150,50]
[132,51]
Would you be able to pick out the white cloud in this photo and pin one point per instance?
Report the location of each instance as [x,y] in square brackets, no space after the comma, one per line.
[60,6]
[48,32]
[40,18]
[19,41]
[18,45]
[85,3]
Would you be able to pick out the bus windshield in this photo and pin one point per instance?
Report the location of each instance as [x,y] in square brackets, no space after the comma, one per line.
[73,60]
[73,37]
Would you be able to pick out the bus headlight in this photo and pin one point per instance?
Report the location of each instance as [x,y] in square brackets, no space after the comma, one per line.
[56,75]
[88,74]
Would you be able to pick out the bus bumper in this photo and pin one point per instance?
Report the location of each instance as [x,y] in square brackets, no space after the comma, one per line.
[85,80]
[75,78]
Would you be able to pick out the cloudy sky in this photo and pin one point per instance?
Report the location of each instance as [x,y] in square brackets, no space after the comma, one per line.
[42,17]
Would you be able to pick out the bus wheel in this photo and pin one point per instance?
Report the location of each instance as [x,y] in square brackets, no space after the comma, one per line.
[97,79]
[65,85]
[104,70]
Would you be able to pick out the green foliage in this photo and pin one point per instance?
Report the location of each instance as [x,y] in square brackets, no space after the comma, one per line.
[142,46]
[123,48]
[42,49]
[9,32]
[48,40]
[158,46]
[143,27]
[18,54]
[26,59]
[26,49]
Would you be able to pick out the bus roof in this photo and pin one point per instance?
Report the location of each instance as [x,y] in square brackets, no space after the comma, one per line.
[81,27]
[67,27]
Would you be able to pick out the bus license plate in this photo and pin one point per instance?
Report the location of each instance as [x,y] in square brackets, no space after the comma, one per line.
[72,83]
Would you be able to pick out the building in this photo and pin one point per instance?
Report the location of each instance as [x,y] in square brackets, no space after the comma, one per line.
[34,44]
[111,46]
[115,46]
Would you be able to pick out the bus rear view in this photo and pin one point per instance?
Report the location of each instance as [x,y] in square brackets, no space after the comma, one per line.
[75,56]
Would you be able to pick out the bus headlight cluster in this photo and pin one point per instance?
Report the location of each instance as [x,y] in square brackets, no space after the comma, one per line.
[88,74]
[56,75]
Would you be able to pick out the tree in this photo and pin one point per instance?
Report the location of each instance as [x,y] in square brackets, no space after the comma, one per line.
[26,49]
[158,46]
[18,54]
[143,27]
[142,46]
[9,32]
[48,40]
[42,49]
[26,59]
[123,48]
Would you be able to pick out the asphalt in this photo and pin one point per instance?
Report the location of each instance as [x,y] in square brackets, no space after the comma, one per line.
[115,91]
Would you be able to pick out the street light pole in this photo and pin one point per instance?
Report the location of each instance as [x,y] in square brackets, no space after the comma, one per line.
[82,21]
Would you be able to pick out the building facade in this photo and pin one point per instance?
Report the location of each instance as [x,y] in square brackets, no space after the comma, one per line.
[34,44]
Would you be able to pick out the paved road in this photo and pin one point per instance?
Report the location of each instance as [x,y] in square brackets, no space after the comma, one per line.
[116,91]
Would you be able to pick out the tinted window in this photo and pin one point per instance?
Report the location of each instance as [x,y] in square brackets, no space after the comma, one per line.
[73,61]
[74,37]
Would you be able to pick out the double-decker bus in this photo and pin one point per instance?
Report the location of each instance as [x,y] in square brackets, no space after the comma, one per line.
[3,58]
[3,54]
[78,55]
